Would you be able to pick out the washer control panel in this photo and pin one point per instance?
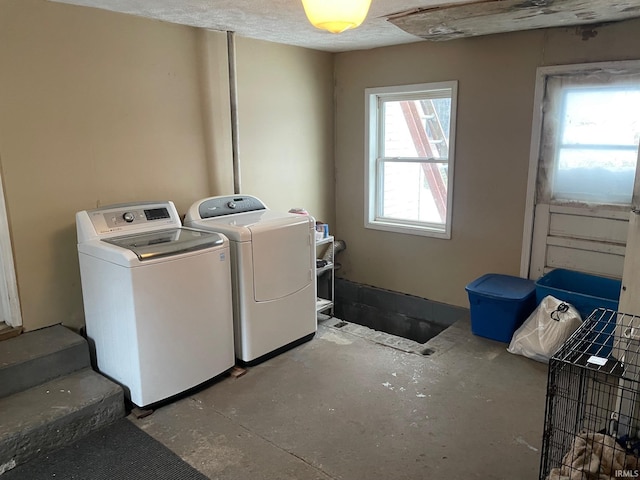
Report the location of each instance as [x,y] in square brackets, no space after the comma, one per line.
[227,205]
[127,217]
[119,218]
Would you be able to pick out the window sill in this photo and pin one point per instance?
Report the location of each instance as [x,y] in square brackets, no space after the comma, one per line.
[408,229]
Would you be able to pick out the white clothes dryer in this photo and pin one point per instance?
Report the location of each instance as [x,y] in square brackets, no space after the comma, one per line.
[157,299]
[272,269]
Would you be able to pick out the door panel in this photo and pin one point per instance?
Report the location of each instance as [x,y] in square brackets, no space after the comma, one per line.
[589,228]
[588,261]
[591,240]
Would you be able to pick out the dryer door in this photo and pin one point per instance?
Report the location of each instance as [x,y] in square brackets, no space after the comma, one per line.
[282,258]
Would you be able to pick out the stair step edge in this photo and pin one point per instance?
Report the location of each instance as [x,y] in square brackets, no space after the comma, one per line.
[55,414]
[39,356]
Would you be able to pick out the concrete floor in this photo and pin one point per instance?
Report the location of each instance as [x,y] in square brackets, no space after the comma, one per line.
[344,407]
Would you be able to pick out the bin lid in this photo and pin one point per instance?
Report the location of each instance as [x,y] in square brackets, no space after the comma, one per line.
[503,287]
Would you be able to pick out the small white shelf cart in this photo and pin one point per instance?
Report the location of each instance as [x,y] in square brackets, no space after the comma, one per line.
[325,305]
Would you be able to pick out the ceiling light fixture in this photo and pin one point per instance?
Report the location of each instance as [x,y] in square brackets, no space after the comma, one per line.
[336,16]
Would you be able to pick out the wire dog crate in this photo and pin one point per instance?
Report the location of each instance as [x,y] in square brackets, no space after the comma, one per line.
[592,421]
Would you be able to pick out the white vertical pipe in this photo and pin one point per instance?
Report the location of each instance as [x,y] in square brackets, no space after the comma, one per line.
[233,92]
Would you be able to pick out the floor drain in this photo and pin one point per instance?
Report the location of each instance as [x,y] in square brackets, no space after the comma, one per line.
[427,351]
[340,324]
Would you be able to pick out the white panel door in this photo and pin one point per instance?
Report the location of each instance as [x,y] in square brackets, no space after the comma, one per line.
[583,161]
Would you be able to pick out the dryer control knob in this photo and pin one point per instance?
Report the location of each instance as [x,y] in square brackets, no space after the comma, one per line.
[128,217]
[231,205]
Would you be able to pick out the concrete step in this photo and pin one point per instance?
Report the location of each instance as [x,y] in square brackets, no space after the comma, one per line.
[54,414]
[39,356]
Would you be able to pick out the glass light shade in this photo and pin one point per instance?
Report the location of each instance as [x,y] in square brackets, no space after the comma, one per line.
[336,16]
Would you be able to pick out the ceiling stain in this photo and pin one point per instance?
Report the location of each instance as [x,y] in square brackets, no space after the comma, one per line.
[587,33]
[500,16]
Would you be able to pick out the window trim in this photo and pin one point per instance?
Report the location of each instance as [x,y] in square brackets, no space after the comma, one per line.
[373,146]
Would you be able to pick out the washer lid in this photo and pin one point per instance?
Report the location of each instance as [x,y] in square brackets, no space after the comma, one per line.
[164,243]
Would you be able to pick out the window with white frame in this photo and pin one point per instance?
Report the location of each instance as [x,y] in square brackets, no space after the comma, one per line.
[591,130]
[409,158]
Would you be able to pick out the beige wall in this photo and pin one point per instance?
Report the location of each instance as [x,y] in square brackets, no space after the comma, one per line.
[496,77]
[285,112]
[97,108]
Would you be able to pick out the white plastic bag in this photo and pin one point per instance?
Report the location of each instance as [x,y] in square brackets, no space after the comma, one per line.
[546,329]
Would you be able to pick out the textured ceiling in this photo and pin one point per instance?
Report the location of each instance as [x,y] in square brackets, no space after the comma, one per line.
[284,21]
[281,21]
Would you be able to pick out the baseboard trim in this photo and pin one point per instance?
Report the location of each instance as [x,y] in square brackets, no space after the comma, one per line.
[7,331]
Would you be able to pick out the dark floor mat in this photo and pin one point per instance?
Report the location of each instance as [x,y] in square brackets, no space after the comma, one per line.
[118,452]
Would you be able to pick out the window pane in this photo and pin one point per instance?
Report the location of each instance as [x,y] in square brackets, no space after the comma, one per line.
[601,116]
[416,128]
[595,175]
[415,192]
[598,152]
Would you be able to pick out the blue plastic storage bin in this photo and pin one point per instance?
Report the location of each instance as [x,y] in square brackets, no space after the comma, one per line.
[585,292]
[499,305]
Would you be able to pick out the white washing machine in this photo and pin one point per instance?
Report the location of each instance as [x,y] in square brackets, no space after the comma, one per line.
[157,299]
[273,272]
